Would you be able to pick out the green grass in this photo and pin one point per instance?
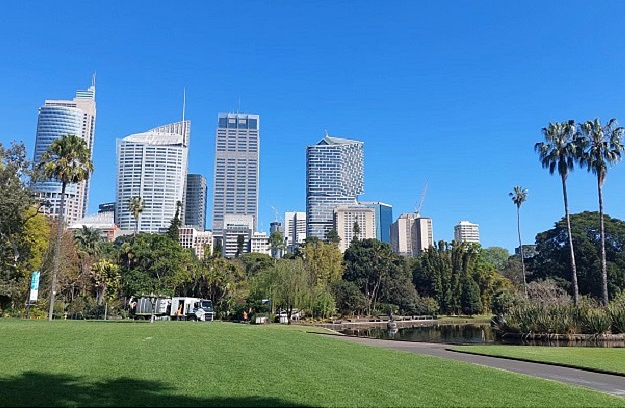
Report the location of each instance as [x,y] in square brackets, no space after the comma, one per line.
[477,319]
[611,360]
[127,364]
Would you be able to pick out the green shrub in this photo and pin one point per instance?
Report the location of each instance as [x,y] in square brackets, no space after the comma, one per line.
[594,320]
[617,316]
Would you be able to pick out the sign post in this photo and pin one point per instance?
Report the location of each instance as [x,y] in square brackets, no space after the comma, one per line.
[34,291]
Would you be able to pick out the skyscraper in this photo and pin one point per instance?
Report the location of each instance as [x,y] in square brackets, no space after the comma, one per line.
[383,220]
[411,234]
[195,202]
[334,177]
[467,232]
[56,119]
[152,166]
[345,220]
[235,188]
[294,229]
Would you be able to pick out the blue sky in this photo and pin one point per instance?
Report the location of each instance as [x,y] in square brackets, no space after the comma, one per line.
[450,92]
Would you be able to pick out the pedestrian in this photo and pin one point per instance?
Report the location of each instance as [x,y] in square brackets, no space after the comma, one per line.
[245,316]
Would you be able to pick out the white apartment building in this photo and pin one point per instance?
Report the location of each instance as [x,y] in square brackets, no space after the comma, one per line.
[236,225]
[152,166]
[294,229]
[259,243]
[199,240]
[345,218]
[467,232]
[56,119]
[411,234]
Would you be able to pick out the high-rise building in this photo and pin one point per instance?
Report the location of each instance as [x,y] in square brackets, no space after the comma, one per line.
[411,234]
[56,119]
[334,177]
[467,232]
[235,188]
[195,202]
[237,234]
[294,230]
[200,241]
[345,220]
[152,166]
[383,220]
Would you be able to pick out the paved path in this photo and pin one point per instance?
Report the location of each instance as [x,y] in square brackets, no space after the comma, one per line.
[612,384]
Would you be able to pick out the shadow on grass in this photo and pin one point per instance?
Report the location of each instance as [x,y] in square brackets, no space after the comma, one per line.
[35,389]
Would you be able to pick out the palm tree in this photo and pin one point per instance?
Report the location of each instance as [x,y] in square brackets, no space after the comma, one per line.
[519,195]
[601,146]
[559,152]
[67,160]
[136,205]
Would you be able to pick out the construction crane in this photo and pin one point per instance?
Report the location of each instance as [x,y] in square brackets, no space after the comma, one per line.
[276,213]
[425,189]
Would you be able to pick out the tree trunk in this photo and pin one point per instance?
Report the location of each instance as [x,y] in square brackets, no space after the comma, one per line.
[568,228]
[604,267]
[518,227]
[57,251]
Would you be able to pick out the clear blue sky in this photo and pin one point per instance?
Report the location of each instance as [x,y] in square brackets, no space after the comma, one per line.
[454,93]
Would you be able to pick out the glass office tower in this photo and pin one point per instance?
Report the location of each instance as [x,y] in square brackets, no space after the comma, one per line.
[152,166]
[334,177]
[235,188]
[56,119]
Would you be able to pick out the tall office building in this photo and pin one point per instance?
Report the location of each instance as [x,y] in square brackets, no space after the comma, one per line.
[153,166]
[294,230]
[345,220]
[467,232]
[234,227]
[56,119]
[195,202]
[235,188]
[411,234]
[334,177]
[383,220]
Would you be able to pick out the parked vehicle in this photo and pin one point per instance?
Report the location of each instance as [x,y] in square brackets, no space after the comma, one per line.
[174,308]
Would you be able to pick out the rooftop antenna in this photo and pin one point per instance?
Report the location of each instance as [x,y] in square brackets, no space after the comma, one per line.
[184,106]
[239,106]
[93,79]
[425,189]
[327,133]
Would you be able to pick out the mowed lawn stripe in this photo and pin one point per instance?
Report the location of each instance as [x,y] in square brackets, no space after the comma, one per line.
[223,364]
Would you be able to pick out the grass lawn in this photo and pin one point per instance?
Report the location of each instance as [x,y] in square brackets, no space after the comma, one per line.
[603,359]
[187,364]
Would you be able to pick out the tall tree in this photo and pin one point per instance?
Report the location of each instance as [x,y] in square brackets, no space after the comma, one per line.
[519,195]
[67,160]
[276,242]
[602,146]
[559,152]
[174,228]
[332,236]
[551,257]
[136,205]
[23,230]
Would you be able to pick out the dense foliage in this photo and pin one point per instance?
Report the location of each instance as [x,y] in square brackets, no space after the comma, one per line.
[552,258]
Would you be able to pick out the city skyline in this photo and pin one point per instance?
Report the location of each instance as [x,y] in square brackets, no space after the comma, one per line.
[460,107]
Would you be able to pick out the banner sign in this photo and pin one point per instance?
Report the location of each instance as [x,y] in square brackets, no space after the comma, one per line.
[34,286]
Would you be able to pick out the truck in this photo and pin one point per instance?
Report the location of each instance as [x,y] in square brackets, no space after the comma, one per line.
[173,308]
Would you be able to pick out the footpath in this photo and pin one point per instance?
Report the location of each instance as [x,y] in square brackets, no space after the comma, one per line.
[612,384]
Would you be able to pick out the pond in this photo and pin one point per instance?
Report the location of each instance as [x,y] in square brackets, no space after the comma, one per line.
[465,334]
